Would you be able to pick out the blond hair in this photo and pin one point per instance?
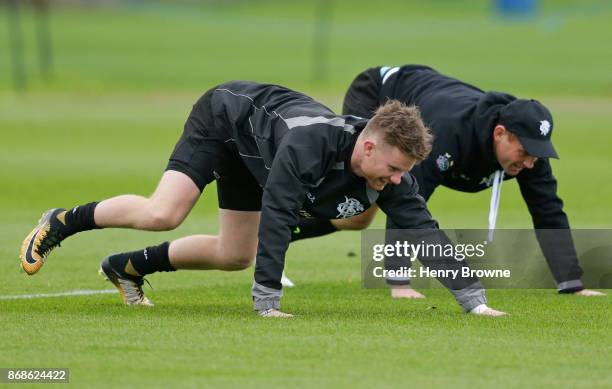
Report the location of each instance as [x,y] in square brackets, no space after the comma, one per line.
[401,126]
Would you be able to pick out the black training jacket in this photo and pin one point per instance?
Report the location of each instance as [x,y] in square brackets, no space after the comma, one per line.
[299,151]
[462,118]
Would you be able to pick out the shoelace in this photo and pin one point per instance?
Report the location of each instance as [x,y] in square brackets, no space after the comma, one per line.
[498,179]
[49,240]
[148,283]
[132,287]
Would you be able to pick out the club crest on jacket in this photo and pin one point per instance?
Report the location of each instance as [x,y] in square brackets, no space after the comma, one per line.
[350,207]
[444,162]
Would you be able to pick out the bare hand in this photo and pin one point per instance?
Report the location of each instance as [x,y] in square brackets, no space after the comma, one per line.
[589,293]
[405,293]
[274,313]
[491,312]
[483,310]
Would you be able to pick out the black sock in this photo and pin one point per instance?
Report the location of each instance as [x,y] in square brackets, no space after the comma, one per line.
[150,260]
[80,218]
[311,228]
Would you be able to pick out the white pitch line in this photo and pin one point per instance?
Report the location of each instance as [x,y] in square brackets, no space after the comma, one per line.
[61,294]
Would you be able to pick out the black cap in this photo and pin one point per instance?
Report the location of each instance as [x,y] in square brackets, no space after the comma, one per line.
[532,123]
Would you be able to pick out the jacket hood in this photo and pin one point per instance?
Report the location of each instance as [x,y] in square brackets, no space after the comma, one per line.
[486,117]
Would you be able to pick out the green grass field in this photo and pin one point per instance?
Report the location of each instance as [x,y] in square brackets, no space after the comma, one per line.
[125,79]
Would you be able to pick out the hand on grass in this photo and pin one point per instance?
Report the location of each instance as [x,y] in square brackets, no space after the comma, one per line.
[589,293]
[483,310]
[405,293]
[274,313]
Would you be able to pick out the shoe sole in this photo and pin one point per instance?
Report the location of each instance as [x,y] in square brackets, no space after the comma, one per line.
[32,268]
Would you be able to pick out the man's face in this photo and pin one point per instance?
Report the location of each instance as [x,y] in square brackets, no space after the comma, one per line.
[383,164]
[510,152]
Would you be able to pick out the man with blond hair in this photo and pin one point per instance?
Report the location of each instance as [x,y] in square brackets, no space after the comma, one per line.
[276,154]
[481,139]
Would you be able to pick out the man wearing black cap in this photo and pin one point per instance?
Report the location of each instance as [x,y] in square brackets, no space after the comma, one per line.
[481,139]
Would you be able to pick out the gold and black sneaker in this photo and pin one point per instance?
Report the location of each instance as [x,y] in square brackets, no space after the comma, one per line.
[119,270]
[47,235]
